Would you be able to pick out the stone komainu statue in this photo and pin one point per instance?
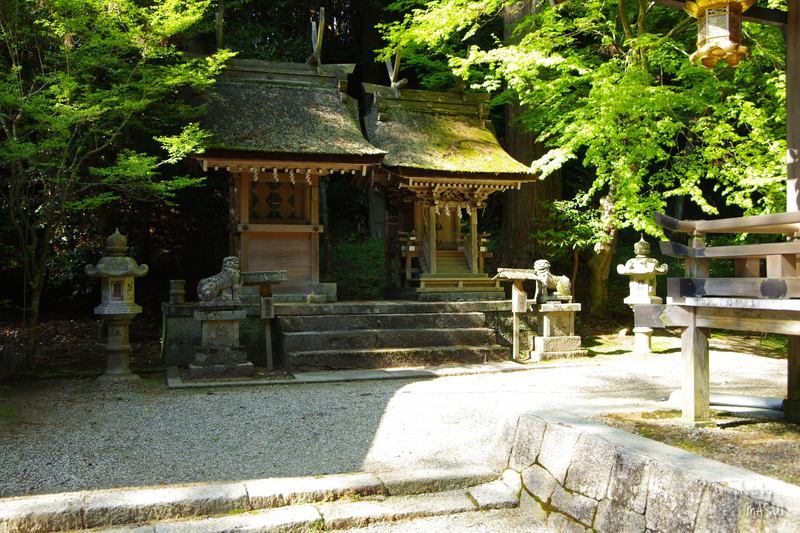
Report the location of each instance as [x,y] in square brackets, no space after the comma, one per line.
[223,287]
[545,281]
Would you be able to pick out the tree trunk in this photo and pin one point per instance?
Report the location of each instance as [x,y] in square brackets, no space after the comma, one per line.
[600,263]
[38,268]
[522,211]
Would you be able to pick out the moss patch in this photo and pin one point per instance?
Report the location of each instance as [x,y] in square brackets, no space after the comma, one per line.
[765,446]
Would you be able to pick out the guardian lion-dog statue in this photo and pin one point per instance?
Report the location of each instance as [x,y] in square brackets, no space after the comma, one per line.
[545,280]
[224,287]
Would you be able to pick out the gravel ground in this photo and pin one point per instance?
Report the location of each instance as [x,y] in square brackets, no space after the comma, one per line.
[69,435]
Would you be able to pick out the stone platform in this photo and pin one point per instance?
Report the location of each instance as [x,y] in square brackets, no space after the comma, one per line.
[353,335]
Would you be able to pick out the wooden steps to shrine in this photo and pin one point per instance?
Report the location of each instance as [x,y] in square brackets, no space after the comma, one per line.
[420,334]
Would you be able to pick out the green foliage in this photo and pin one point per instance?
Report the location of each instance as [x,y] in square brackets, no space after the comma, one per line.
[92,109]
[609,85]
[358,268]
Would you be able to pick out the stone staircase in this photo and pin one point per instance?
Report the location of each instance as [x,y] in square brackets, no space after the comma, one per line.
[386,335]
[315,503]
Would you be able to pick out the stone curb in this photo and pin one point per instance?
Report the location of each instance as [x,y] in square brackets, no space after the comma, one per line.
[118,507]
[579,474]
[174,380]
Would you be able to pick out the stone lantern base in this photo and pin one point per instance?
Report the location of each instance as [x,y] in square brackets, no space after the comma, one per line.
[118,349]
[220,354]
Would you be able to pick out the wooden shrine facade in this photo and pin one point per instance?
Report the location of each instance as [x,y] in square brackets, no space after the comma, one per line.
[442,163]
[278,128]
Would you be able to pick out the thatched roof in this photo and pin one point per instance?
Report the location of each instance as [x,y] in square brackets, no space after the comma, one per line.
[285,108]
[429,133]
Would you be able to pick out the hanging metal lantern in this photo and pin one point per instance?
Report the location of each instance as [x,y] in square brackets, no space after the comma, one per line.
[719,31]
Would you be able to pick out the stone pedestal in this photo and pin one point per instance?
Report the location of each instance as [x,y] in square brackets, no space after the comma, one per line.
[556,337]
[118,349]
[642,340]
[220,353]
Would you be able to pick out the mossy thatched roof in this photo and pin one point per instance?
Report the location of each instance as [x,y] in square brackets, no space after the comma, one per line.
[284,108]
[437,132]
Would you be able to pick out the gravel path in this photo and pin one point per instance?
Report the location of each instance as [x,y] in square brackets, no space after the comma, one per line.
[69,435]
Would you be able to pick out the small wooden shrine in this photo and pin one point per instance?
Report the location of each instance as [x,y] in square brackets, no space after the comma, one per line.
[442,163]
[277,129]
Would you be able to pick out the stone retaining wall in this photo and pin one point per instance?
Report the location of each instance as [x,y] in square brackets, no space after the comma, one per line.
[576,474]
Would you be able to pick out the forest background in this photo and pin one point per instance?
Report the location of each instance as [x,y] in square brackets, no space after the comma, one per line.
[598,96]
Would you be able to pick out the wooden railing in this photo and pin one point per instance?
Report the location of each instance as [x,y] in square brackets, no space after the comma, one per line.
[748,302]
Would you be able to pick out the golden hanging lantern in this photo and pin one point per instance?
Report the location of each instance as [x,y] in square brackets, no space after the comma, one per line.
[719,31]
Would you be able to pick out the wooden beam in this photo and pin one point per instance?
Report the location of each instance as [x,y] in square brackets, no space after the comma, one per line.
[674,249]
[774,288]
[779,223]
[758,15]
[281,228]
[778,321]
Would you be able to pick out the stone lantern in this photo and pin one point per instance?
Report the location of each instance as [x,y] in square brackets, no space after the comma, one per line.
[719,31]
[117,306]
[642,271]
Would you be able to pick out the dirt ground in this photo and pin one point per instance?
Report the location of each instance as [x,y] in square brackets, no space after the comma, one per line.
[73,346]
[762,444]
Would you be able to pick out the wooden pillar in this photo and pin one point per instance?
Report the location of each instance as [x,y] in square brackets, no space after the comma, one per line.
[694,349]
[697,267]
[473,239]
[315,230]
[694,355]
[793,107]
[791,408]
[432,239]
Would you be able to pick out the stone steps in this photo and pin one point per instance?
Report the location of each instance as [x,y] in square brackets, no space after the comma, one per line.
[394,357]
[289,324]
[389,307]
[353,339]
[372,335]
[277,504]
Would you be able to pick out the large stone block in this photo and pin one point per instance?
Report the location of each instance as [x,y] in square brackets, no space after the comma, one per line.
[274,492]
[533,508]
[527,442]
[53,512]
[131,506]
[539,483]
[562,524]
[503,442]
[673,498]
[557,324]
[421,480]
[576,506]
[512,479]
[557,447]
[614,518]
[592,462]
[344,514]
[494,495]
[629,480]
[719,509]
[557,344]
